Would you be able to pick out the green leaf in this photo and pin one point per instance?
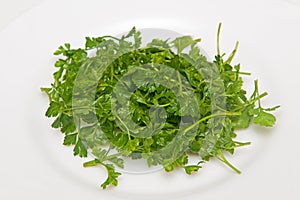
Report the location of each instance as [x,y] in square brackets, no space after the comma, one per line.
[180,43]
[68,46]
[53,110]
[181,161]
[137,39]
[46,90]
[80,149]
[169,168]
[90,43]
[131,146]
[130,33]
[195,146]
[159,43]
[235,87]
[265,119]
[70,139]
[195,52]
[112,176]
[191,168]
[117,161]
[68,124]
[60,63]
[59,51]
[99,153]
[243,121]
[57,122]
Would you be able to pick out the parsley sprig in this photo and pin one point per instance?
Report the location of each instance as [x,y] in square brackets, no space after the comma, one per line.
[97,125]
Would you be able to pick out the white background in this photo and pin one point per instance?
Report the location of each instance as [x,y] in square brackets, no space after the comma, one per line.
[34,165]
[11,9]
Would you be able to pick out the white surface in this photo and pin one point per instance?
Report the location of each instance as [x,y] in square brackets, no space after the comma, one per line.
[35,165]
[11,9]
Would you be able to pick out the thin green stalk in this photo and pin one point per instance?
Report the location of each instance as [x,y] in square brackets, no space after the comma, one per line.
[228,61]
[180,83]
[127,129]
[245,73]
[218,39]
[224,160]
[92,163]
[257,92]
[253,100]
[208,117]
[241,144]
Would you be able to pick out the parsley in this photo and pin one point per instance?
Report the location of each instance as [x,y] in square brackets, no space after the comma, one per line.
[162,102]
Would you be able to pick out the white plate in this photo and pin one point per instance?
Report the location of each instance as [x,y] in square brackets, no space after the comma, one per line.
[35,165]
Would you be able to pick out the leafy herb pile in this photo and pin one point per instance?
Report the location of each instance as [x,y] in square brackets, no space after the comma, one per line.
[114,98]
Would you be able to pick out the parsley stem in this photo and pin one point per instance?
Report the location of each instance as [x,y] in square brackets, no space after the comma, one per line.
[218,38]
[98,162]
[228,61]
[257,92]
[105,85]
[240,144]
[111,37]
[180,83]
[224,160]
[112,72]
[127,129]
[92,163]
[208,117]
[251,101]
[164,105]
[76,108]
[245,73]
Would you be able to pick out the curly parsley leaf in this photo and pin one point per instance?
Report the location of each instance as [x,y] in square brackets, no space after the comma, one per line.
[111,176]
[80,149]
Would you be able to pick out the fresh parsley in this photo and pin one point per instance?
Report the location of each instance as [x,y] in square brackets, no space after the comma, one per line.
[140,109]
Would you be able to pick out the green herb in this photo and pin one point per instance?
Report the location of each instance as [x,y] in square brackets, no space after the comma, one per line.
[162,103]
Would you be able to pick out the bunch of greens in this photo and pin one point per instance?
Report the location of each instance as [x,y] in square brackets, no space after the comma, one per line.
[94,123]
